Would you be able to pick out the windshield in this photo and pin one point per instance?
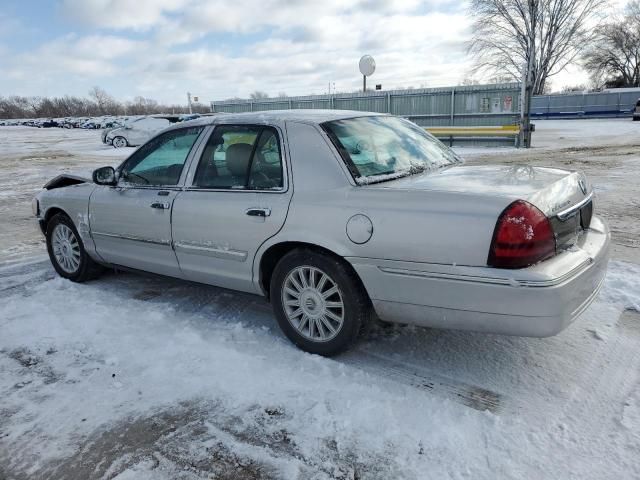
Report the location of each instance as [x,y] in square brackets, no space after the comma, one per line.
[383,148]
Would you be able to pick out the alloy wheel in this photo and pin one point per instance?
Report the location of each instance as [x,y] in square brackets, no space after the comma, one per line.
[313,303]
[66,248]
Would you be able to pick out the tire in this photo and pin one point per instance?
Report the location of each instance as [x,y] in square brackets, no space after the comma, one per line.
[635,119]
[119,142]
[62,236]
[313,301]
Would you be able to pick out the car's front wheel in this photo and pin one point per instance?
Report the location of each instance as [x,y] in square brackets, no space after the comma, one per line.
[120,142]
[319,302]
[67,252]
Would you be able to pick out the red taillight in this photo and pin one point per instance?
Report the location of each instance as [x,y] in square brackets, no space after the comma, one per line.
[523,236]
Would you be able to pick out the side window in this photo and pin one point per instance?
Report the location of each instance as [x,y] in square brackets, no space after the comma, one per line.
[160,161]
[266,167]
[245,157]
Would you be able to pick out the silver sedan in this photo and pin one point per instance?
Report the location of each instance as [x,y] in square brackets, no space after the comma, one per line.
[336,216]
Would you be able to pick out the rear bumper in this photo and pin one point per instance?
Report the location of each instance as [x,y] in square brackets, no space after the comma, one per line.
[538,301]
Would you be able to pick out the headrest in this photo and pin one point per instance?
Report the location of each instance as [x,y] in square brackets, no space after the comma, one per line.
[238,156]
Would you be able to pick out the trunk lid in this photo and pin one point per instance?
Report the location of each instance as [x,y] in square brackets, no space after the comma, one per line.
[563,196]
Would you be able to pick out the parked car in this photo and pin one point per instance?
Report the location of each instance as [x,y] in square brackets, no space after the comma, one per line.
[110,127]
[48,124]
[334,216]
[636,111]
[136,132]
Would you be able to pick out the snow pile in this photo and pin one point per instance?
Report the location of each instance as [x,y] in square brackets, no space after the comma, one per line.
[125,357]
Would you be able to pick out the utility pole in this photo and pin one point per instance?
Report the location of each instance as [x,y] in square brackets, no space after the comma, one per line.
[525,100]
[189,102]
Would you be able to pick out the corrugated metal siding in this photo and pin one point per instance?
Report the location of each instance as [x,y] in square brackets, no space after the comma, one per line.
[599,104]
[473,105]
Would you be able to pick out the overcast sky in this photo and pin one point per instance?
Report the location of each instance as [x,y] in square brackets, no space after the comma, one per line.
[218,49]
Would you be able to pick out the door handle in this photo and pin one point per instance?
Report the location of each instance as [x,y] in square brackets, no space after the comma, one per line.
[160,205]
[258,212]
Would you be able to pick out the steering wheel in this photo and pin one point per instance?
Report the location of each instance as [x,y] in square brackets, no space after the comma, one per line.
[131,174]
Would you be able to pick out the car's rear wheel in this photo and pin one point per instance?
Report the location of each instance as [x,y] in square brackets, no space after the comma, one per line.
[66,251]
[319,302]
[120,142]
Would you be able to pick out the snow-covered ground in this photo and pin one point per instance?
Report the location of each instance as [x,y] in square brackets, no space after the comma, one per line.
[133,377]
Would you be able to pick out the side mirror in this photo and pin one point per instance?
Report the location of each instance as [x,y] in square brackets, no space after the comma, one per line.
[105,176]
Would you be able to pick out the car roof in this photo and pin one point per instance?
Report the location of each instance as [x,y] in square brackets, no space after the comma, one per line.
[313,116]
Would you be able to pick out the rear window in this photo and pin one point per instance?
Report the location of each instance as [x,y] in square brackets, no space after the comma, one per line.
[384,148]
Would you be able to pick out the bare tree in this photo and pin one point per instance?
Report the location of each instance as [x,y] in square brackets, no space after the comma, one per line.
[574,88]
[258,95]
[469,81]
[613,58]
[508,33]
[106,103]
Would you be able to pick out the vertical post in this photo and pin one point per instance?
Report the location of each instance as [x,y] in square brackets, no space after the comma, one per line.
[213,107]
[332,101]
[388,102]
[525,116]
[290,104]
[364,83]
[619,105]
[548,105]
[453,106]
[189,102]
[251,106]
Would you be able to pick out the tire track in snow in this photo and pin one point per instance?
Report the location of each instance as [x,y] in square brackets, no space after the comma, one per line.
[428,381]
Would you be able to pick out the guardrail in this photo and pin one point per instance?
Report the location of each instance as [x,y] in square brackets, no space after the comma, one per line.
[508,133]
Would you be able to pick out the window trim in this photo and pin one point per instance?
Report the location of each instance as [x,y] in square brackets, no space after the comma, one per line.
[187,161]
[193,168]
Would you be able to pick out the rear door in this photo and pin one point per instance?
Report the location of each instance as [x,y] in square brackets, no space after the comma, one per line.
[236,198]
[131,222]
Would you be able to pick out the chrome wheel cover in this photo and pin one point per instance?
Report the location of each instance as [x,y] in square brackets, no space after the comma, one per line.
[119,142]
[313,303]
[65,247]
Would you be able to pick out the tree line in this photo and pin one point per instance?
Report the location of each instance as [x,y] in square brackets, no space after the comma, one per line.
[97,103]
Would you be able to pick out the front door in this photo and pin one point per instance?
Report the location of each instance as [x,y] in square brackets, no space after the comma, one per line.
[238,198]
[131,222]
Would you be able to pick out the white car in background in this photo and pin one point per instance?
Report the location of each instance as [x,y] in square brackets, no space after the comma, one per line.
[136,132]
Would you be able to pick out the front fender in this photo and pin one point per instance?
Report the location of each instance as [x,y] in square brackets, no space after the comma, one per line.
[74,202]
